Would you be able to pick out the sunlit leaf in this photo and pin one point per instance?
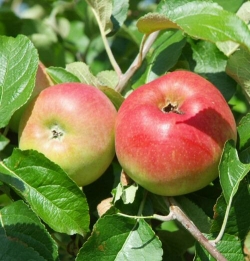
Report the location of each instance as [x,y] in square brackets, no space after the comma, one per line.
[19,62]
[215,24]
[119,238]
[60,75]
[102,10]
[82,72]
[52,195]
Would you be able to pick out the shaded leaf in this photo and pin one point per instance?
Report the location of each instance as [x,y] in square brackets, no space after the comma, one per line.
[238,68]
[243,131]
[211,64]
[115,97]
[196,214]
[119,13]
[3,142]
[60,75]
[229,247]
[119,238]
[52,195]
[21,229]
[238,222]
[19,62]
[231,171]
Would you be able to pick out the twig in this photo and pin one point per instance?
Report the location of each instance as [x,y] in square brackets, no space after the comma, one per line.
[194,231]
[146,45]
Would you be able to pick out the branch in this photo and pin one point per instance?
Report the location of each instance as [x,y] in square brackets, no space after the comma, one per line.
[146,45]
[194,231]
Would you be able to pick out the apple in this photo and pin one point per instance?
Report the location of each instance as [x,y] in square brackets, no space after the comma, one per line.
[42,81]
[72,124]
[170,133]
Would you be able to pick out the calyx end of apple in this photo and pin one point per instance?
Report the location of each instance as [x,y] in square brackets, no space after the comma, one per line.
[172,107]
[56,132]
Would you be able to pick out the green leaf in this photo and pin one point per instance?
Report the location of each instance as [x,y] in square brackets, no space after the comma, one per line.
[229,47]
[211,64]
[115,97]
[19,62]
[22,231]
[119,14]
[247,246]
[52,195]
[119,238]
[108,78]
[60,75]
[102,10]
[167,50]
[243,131]
[238,68]
[82,72]
[215,24]
[229,247]
[3,142]
[238,222]
[176,240]
[196,214]
[232,171]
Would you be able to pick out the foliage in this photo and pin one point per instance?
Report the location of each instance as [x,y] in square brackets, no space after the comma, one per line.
[118,45]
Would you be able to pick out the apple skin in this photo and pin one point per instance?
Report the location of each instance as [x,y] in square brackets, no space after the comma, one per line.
[42,81]
[72,124]
[170,133]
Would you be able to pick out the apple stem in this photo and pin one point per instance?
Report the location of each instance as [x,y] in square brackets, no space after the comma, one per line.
[147,42]
[180,216]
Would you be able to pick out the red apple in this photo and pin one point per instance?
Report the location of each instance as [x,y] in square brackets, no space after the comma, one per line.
[170,133]
[72,124]
[42,81]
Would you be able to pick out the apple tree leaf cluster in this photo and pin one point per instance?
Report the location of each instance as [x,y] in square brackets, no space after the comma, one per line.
[118,46]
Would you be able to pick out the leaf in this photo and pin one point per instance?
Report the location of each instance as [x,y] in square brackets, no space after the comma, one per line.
[211,64]
[167,51]
[19,62]
[247,247]
[231,171]
[215,24]
[238,221]
[164,55]
[176,240]
[196,214]
[108,78]
[82,72]
[52,195]
[119,238]
[230,47]
[60,75]
[115,97]
[119,14]
[3,142]
[23,233]
[243,132]
[229,247]
[238,68]
[102,10]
